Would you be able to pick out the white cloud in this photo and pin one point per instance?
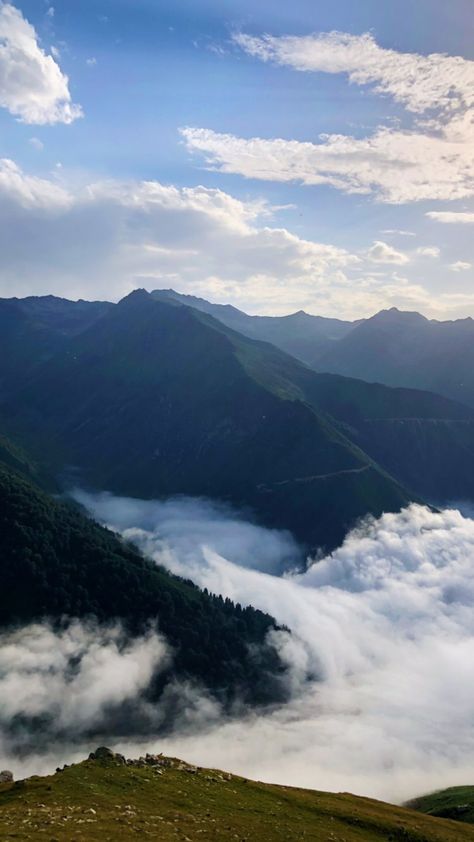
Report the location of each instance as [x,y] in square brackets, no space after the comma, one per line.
[460,266]
[381,252]
[74,676]
[103,239]
[91,62]
[386,623]
[32,85]
[395,166]
[452,217]
[432,159]
[419,82]
[429,251]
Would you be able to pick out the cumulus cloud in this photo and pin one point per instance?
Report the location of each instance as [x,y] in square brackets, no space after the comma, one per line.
[386,622]
[381,252]
[102,239]
[32,85]
[452,217]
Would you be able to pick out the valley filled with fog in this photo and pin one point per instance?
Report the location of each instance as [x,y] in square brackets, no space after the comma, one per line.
[380,665]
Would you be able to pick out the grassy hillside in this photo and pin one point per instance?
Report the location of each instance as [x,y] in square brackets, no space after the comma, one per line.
[422,439]
[303,336]
[166,799]
[457,803]
[56,562]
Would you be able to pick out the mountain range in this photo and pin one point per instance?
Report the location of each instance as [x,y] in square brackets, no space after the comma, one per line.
[151,398]
[393,347]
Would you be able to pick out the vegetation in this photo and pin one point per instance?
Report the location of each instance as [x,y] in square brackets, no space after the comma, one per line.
[151,398]
[457,803]
[154,400]
[54,562]
[406,349]
[105,800]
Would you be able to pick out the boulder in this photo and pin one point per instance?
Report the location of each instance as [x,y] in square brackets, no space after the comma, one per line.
[6,777]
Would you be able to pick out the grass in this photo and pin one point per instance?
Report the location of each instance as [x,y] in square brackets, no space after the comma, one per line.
[457,802]
[100,801]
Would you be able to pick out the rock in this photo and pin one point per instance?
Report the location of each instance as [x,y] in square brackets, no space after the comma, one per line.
[6,777]
[104,753]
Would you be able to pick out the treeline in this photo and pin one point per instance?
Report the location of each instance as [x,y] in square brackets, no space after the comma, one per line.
[56,563]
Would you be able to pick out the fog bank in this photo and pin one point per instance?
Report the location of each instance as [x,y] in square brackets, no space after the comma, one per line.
[386,621]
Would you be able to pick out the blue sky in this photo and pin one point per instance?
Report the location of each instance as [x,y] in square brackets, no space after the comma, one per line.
[275,228]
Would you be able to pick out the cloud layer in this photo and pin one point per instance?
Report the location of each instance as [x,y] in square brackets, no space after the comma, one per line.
[386,621]
[101,239]
[32,85]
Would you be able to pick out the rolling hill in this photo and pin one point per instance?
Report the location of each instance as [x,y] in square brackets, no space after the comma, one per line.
[107,798]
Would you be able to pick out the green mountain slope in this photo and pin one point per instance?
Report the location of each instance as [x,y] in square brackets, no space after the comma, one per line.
[424,440]
[456,803]
[166,799]
[406,349]
[33,329]
[156,399]
[303,336]
[54,562]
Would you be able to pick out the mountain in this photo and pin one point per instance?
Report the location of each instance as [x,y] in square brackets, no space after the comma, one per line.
[424,440]
[56,563]
[406,349]
[156,399]
[303,336]
[395,348]
[108,797]
[34,328]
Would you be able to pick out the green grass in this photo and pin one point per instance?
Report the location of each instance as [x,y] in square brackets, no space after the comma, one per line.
[101,800]
[457,802]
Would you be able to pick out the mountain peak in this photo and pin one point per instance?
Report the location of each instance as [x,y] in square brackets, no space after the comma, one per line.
[393,314]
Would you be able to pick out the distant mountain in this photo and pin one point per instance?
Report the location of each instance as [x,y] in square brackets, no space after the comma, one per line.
[55,563]
[406,349]
[32,329]
[393,347]
[303,336]
[156,398]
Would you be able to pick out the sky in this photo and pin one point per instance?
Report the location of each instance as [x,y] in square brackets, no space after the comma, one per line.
[275,156]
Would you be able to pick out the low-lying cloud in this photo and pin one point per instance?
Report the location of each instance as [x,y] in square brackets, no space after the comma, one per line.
[386,622]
